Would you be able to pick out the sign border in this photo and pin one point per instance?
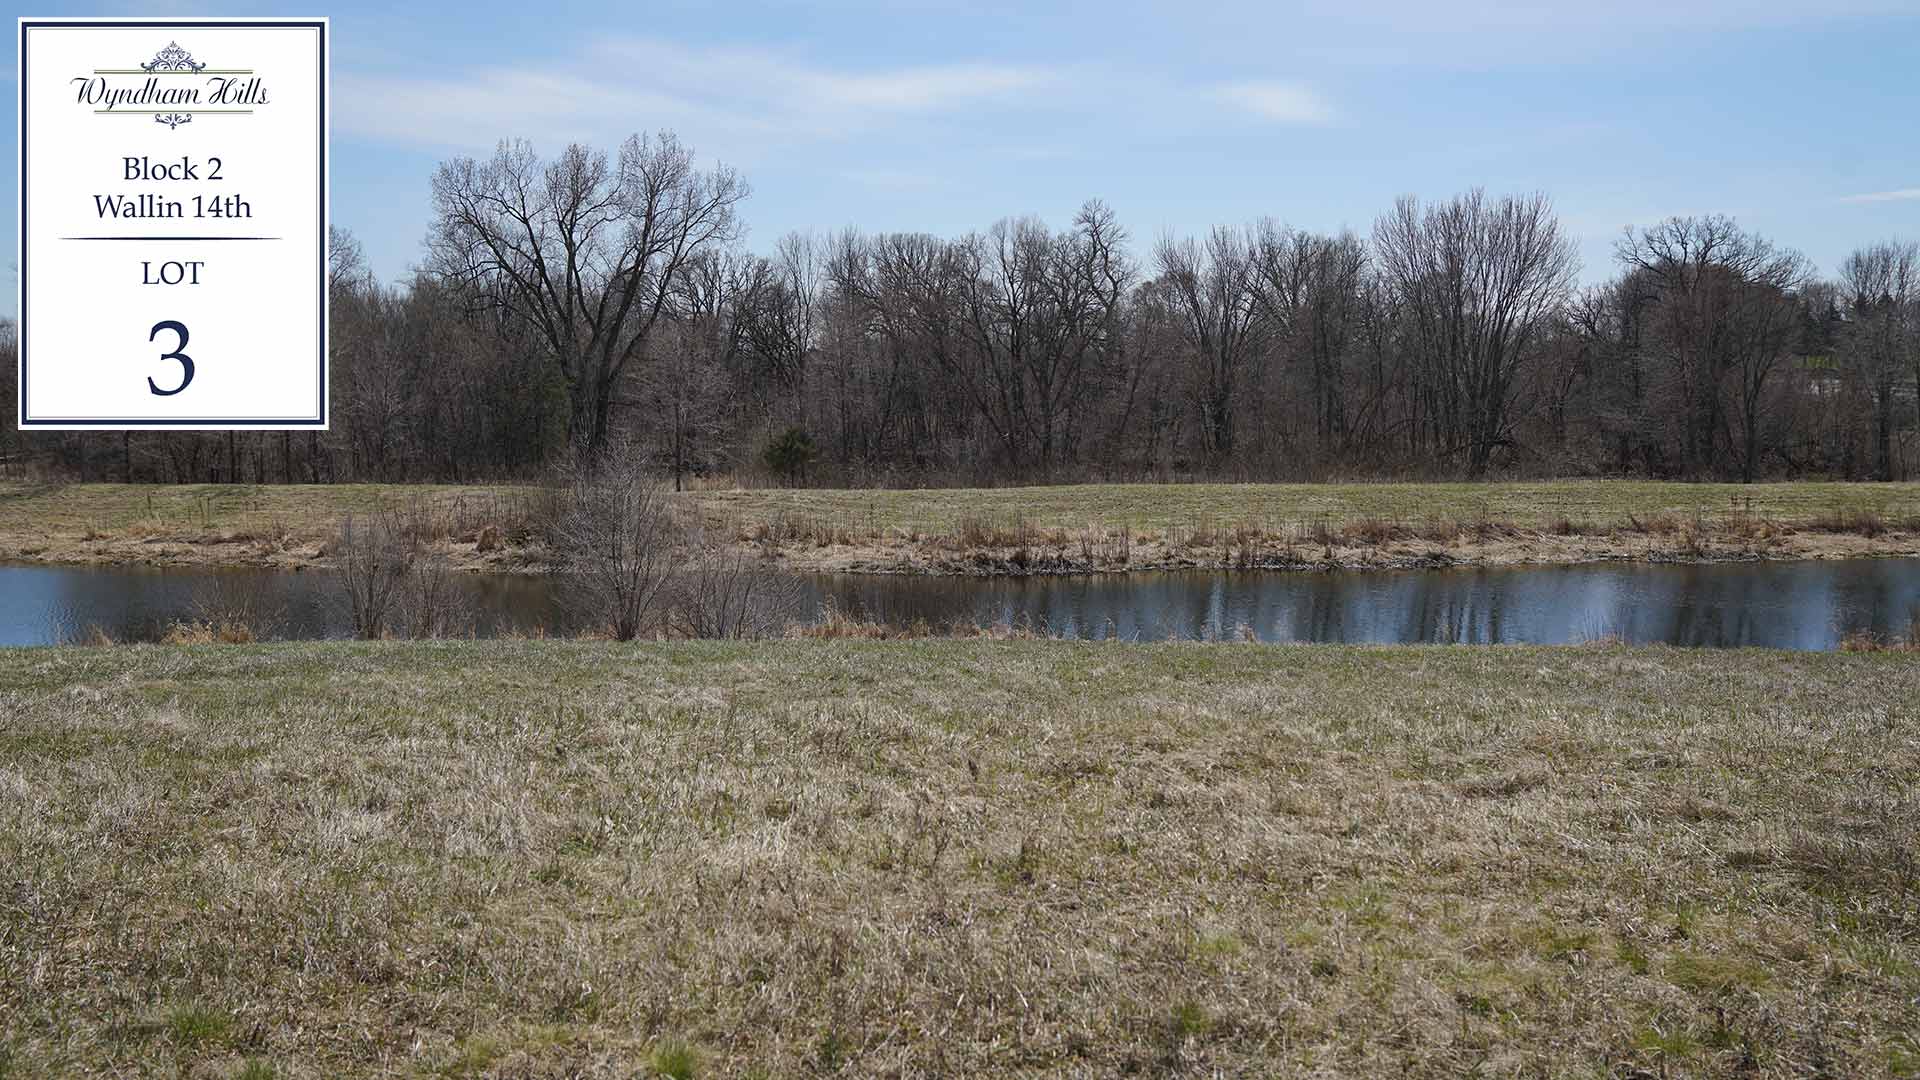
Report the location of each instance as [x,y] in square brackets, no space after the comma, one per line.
[318,423]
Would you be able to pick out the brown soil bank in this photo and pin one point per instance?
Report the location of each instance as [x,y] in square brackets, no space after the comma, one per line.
[1066,529]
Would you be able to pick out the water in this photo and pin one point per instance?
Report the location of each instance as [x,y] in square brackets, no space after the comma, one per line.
[1793,605]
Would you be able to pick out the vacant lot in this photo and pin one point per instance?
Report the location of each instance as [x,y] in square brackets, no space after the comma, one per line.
[1102,527]
[957,859]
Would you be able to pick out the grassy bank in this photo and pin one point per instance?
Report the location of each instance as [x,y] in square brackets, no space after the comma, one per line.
[1014,530]
[250,525]
[957,858]
[1118,527]
[1159,507]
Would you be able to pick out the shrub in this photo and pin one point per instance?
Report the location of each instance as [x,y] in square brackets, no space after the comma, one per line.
[733,595]
[239,605]
[376,553]
[789,454]
[616,541]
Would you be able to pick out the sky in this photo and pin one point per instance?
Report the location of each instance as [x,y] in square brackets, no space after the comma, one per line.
[1799,118]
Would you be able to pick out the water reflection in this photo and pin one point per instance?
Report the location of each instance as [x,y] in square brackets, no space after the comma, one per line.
[1800,605]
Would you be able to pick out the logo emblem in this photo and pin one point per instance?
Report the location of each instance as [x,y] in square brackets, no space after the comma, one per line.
[172,58]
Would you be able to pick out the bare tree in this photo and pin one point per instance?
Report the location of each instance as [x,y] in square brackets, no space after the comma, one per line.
[1481,282]
[1724,319]
[1310,288]
[1018,318]
[1216,298]
[593,297]
[584,250]
[781,309]
[694,362]
[1881,289]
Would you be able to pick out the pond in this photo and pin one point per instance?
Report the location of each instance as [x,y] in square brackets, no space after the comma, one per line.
[1794,605]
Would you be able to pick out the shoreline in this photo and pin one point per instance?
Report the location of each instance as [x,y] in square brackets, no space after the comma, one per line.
[923,560]
[1012,532]
[942,559]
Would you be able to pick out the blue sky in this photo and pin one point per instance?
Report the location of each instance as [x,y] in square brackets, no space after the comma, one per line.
[1801,119]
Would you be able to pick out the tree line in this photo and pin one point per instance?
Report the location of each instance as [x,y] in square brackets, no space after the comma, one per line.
[565,303]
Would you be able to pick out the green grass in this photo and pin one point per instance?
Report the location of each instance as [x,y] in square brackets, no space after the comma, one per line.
[250,508]
[956,858]
[223,507]
[1163,506]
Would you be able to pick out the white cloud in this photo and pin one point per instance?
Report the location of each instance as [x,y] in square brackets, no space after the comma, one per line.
[1900,195]
[1287,103]
[914,90]
[729,101]
[487,106]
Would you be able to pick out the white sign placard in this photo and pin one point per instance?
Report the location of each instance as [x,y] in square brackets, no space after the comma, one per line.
[173,223]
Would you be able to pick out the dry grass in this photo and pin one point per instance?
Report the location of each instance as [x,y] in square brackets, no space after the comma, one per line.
[1909,641]
[1158,507]
[1065,529]
[1117,527]
[956,859]
[259,525]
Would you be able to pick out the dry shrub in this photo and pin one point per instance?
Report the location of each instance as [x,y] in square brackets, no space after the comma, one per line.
[801,528]
[1320,532]
[1375,531]
[1865,523]
[375,553]
[1863,641]
[1485,529]
[195,632]
[616,542]
[732,595]
[1562,525]
[243,605]
[972,533]
[1661,524]
[430,603]
[1000,631]
[395,582]
[835,624]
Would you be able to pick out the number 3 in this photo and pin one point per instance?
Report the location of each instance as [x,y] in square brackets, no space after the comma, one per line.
[186,362]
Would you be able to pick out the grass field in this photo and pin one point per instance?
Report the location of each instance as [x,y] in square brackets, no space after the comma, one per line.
[957,859]
[1087,527]
[299,511]
[238,524]
[1164,506]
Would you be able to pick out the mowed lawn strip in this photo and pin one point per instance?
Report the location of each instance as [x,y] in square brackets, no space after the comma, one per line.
[957,858]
